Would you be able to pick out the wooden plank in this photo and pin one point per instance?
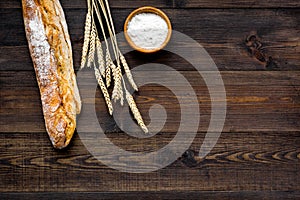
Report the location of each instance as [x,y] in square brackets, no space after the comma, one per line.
[175,4]
[257,101]
[265,161]
[222,33]
[276,195]
[257,155]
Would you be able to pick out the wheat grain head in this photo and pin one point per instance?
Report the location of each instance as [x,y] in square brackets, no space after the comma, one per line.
[100,58]
[92,50]
[104,91]
[86,41]
[108,69]
[128,72]
[136,113]
[117,93]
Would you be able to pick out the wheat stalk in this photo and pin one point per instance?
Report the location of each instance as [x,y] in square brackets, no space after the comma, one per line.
[108,69]
[91,54]
[119,87]
[108,76]
[101,62]
[87,30]
[128,72]
[104,91]
[135,111]
[117,93]
[110,30]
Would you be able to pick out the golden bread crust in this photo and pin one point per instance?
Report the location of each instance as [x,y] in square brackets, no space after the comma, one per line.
[51,52]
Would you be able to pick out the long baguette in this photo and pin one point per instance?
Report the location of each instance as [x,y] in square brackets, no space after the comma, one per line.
[51,53]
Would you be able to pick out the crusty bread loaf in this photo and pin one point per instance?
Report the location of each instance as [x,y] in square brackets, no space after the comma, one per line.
[51,52]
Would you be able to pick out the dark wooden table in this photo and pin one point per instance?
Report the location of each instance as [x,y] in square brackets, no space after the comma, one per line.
[258,153]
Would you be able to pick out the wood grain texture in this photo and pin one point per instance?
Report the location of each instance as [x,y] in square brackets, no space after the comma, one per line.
[257,155]
[222,33]
[176,4]
[255,102]
[155,195]
[253,161]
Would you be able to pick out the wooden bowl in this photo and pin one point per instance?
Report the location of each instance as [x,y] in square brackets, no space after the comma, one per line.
[147,9]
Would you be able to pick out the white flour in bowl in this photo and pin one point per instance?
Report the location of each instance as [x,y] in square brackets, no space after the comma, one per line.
[147,30]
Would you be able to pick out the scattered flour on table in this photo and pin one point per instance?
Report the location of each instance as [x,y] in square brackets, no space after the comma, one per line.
[147,30]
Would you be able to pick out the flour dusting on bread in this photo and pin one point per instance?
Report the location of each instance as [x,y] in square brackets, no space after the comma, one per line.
[51,53]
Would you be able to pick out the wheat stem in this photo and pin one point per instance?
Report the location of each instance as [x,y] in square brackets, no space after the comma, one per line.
[100,22]
[111,24]
[106,68]
[112,35]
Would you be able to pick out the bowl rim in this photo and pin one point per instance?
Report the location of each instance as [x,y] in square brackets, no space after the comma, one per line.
[147,9]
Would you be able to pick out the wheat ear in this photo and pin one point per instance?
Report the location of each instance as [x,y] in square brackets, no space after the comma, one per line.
[92,50]
[135,111]
[86,41]
[119,88]
[114,95]
[128,72]
[117,93]
[104,91]
[108,69]
[100,58]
